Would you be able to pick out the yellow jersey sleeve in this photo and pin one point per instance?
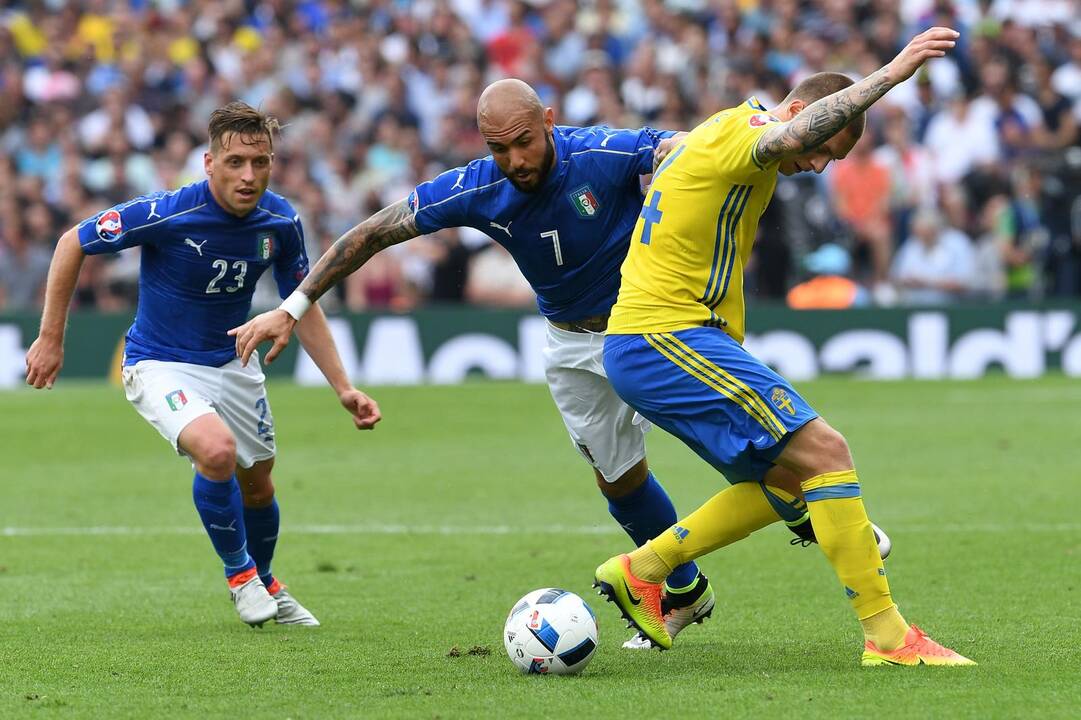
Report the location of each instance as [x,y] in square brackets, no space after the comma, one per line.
[734,139]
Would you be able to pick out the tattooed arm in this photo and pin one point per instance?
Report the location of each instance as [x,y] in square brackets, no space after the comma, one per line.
[389,226]
[824,118]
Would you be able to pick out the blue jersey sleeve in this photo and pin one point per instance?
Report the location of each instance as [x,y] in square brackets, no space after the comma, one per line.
[639,145]
[127,224]
[444,202]
[291,264]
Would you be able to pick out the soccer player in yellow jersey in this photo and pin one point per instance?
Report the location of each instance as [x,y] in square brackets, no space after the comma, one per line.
[673,352]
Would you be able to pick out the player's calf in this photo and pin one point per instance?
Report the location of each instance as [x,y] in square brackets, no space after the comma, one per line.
[805,536]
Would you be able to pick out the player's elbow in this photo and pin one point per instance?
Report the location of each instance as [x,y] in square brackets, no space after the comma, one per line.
[69,243]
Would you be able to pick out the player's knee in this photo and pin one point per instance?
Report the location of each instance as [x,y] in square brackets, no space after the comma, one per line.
[218,457]
[625,484]
[833,450]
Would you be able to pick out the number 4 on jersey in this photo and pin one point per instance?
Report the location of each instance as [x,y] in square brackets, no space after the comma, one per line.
[651,212]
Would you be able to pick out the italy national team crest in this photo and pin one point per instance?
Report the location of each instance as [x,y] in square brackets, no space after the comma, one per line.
[108,226]
[176,400]
[264,246]
[782,401]
[585,202]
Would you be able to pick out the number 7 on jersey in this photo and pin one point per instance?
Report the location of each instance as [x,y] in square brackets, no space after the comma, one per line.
[554,234]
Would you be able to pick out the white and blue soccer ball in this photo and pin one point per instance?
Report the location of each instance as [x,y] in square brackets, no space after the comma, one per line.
[550,631]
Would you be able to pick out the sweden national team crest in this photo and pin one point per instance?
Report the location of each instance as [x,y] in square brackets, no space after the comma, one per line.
[585,202]
[264,246]
[782,401]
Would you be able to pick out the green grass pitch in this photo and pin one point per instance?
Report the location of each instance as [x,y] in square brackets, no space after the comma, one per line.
[418,537]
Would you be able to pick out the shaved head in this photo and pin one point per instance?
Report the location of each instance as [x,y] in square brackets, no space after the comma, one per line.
[504,98]
[518,131]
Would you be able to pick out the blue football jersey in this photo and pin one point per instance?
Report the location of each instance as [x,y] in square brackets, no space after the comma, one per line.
[570,236]
[199,266]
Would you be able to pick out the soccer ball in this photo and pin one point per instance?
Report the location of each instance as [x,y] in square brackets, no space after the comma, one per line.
[550,631]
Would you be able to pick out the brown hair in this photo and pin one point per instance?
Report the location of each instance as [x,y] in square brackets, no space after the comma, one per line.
[240,119]
[818,86]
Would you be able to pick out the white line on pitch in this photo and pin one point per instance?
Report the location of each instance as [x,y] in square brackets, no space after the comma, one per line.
[466,530]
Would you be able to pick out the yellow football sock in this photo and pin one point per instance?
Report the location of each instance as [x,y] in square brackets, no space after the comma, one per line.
[886,629]
[647,565]
[845,536]
[730,515]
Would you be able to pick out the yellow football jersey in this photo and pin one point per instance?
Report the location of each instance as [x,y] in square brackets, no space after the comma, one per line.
[694,235]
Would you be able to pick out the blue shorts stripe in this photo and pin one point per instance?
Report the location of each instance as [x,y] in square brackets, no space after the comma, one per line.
[832,492]
[747,393]
[701,386]
[741,396]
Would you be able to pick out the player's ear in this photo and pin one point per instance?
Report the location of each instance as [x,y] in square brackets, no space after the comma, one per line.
[208,163]
[549,119]
[795,107]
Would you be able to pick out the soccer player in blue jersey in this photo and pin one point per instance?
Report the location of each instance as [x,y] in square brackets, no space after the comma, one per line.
[203,247]
[563,201]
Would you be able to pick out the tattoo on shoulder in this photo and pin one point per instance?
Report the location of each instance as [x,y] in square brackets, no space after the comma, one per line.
[820,120]
[390,226]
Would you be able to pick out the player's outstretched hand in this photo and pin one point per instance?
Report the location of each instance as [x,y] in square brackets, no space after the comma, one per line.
[43,362]
[274,325]
[664,147]
[364,410]
[928,44]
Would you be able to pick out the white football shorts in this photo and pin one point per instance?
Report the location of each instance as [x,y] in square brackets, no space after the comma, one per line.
[169,395]
[607,432]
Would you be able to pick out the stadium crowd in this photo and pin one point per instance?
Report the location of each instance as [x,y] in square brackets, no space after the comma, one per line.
[966,186]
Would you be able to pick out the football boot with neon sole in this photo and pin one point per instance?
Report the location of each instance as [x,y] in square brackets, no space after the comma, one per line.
[252,601]
[638,601]
[680,611]
[918,649]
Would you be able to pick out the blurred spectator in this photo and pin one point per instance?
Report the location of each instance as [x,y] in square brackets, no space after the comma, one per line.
[861,196]
[934,266]
[1059,129]
[496,281]
[912,180]
[24,263]
[961,140]
[100,100]
[992,245]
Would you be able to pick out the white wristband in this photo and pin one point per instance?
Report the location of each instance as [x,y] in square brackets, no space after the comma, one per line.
[296,305]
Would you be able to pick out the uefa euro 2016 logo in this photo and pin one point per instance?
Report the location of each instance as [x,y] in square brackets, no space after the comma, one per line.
[108,226]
